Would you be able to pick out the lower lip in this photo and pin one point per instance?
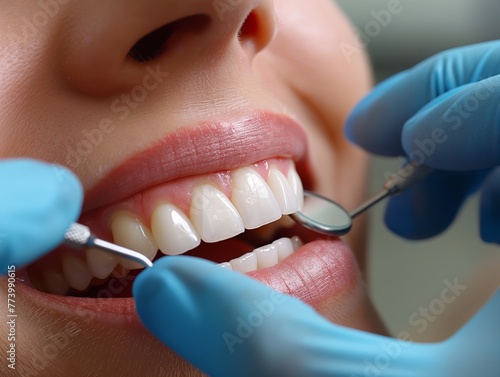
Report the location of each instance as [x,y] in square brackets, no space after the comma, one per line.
[317,271]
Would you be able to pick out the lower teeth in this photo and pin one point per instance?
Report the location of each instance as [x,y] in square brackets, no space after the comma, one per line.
[265,256]
[119,282]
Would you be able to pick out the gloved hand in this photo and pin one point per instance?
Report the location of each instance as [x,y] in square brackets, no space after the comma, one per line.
[38,202]
[227,324]
[444,113]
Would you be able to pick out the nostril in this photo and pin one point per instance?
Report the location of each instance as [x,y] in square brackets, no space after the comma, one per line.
[151,45]
[249,27]
[256,31]
[166,37]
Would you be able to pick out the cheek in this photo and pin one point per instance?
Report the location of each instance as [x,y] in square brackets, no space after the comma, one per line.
[24,100]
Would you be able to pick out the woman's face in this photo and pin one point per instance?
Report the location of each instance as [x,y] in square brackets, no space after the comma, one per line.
[186,122]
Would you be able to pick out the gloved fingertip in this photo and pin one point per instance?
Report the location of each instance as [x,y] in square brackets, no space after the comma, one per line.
[489,217]
[374,122]
[400,220]
[489,222]
[189,304]
[170,306]
[66,201]
[40,201]
[490,235]
[405,220]
[71,187]
[429,207]
[164,283]
[357,121]
[205,314]
[353,122]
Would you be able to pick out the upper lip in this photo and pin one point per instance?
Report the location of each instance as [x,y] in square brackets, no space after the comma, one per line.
[202,149]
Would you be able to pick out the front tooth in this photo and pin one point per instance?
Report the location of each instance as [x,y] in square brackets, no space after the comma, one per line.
[55,282]
[267,256]
[172,230]
[213,215]
[283,191]
[253,199]
[284,247]
[100,263]
[296,183]
[76,272]
[245,263]
[132,234]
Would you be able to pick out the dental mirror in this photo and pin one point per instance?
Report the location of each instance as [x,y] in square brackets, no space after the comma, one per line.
[325,216]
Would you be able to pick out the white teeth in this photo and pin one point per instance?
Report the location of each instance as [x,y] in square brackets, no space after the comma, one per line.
[226,265]
[213,215]
[297,243]
[245,263]
[76,272]
[132,234]
[254,199]
[284,248]
[55,283]
[267,256]
[296,183]
[172,230]
[100,263]
[283,191]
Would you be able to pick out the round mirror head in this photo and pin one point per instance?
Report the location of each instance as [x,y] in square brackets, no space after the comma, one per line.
[323,215]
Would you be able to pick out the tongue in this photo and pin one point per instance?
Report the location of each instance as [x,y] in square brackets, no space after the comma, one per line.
[222,251]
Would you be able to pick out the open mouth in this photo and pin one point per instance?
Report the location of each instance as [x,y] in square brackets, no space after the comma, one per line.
[228,217]
[227,202]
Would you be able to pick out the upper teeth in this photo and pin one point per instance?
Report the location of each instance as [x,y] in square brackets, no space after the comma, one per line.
[213,216]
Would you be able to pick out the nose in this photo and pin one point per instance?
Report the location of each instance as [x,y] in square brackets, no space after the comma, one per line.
[107,48]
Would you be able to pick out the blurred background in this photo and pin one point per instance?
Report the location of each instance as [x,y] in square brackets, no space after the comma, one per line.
[406,278]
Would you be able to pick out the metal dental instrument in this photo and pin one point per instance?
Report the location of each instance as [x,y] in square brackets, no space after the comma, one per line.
[79,236]
[325,216]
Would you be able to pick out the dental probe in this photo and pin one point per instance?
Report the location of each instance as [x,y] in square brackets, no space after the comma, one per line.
[408,174]
[79,236]
[325,216]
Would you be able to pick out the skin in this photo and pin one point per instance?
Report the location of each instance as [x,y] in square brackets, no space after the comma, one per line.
[62,80]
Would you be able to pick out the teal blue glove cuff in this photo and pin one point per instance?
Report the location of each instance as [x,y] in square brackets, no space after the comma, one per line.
[227,324]
[38,202]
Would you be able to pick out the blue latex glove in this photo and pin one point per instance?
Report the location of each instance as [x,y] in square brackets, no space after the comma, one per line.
[38,202]
[227,324]
[445,113]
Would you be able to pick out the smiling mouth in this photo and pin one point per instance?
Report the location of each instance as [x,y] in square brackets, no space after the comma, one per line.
[230,217]
[220,191]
